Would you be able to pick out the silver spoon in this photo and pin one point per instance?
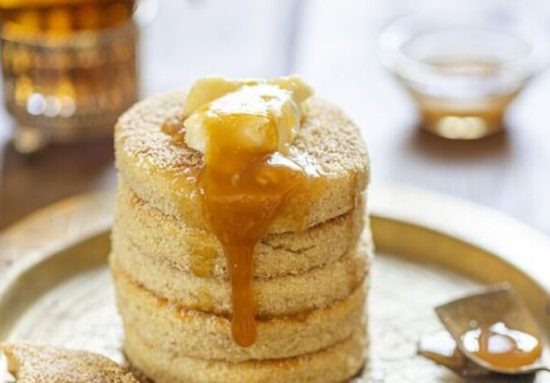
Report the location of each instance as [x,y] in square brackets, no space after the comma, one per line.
[498,305]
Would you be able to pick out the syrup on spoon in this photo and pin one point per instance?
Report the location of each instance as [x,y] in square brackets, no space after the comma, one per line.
[495,330]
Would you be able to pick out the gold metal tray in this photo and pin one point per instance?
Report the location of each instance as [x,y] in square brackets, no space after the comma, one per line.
[55,286]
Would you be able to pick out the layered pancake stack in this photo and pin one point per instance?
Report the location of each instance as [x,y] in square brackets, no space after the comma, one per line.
[176,289]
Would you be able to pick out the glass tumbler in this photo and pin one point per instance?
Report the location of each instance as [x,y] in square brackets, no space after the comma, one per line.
[69,68]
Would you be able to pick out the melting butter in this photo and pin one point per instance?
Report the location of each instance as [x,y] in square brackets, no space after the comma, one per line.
[210,88]
[255,119]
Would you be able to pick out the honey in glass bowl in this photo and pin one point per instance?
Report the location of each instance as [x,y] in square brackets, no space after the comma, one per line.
[464,68]
[469,117]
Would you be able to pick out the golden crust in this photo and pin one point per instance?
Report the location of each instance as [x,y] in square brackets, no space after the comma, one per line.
[337,363]
[198,251]
[202,335]
[292,294]
[164,174]
[31,363]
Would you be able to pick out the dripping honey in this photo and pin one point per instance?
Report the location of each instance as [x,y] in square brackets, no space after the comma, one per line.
[242,193]
[502,346]
[244,132]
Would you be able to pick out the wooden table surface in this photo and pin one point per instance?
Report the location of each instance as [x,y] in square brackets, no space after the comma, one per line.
[332,44]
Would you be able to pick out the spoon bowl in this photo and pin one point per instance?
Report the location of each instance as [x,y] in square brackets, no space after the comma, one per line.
[500,311]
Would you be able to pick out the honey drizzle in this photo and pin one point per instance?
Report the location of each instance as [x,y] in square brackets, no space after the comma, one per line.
[242,194]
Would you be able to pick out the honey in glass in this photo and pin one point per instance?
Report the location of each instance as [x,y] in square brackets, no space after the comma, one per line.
[468,116]
[69,67]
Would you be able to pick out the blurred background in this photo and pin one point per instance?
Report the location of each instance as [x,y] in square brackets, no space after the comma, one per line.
[166,44]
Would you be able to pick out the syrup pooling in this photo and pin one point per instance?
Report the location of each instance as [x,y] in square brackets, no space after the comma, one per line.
[247,180]
[502,346]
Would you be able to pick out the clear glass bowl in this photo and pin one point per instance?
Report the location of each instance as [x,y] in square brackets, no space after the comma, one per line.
[463,67]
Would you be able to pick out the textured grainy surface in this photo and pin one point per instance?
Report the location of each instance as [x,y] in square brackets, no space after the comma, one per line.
[206,336]
[327,139]
[197,250]
[333,364]
[31,363]
[328,145]
[287,295]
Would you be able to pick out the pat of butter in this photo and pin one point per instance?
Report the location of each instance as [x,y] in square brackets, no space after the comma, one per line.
[257,116]
[209,88]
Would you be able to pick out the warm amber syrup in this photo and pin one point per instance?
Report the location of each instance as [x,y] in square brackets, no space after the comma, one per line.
[174,129]
[464,119]
[63,16]
[502,346]
[242,194]
[459,114]
[246,180]
[203,262]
